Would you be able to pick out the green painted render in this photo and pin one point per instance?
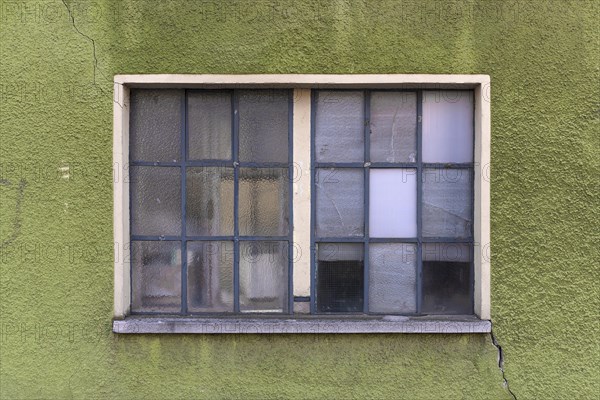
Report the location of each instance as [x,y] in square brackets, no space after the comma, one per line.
[56,270]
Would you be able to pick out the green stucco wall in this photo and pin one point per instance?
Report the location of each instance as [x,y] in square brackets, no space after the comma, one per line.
[56,271]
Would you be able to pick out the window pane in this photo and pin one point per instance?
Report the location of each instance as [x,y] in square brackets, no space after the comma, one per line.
[263,276]
[209,125]
[340,277]
[210,276]
[264,125]
[263,202]
[155,201]
[448,126]
[155,124]
[447,278]
[392,278]
[393,127]
[340,202]
[393,203]
[447,202]
[156,276]
[339,135]
[209,203]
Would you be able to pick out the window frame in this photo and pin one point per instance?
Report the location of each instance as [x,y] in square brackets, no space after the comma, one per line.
[301,145]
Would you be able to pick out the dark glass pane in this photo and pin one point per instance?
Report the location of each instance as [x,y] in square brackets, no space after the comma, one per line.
[264,125]
[263,202]
[393,127]
[392,277]
[209,201]
[340,277]
[155,124]
[447,278]
[210,276]
[340,202]
[264,276]
[340,126]
[155,201]
[447,202]
[209,125]
[156,276]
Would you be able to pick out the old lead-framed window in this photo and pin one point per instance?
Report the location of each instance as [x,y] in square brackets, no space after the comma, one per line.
[287,203]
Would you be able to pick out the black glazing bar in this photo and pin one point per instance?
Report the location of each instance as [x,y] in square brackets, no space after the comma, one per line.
[313,205]
[236,243]
[290,240]
[183,204]
[419,280]
[367,158]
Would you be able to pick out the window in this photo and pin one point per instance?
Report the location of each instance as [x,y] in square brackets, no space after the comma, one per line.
[292,195]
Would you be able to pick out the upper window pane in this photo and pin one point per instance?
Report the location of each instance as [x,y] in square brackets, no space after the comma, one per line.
[339,127]
[155,125]
[448,126]
[264,124]
[209,125]
[393,127]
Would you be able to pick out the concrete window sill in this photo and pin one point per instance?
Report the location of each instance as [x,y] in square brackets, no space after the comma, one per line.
[301,324]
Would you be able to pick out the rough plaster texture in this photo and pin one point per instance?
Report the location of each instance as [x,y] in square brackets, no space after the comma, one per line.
[56,267]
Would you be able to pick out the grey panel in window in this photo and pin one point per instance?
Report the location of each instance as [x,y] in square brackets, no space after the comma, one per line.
[209,201]
[340,202]
[393,126]
[209,125]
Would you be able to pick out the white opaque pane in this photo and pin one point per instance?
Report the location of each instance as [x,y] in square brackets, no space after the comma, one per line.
[448,126]
[393,202]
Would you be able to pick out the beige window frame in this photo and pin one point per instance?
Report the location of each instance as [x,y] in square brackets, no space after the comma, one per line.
[302,85]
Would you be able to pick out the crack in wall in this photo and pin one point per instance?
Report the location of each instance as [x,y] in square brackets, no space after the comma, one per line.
[96,69]
[501,364]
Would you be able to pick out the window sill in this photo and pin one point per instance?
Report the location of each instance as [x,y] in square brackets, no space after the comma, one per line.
[301,324]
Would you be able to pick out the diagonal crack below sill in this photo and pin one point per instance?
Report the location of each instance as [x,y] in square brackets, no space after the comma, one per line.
[96,70]
[501,363]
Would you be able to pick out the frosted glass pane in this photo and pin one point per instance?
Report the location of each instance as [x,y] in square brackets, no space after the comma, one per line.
[340,277]
[448,126]
[447,202]
[394,127]
[392,278]
[339,126]
[155,201]
[263,201]
[210,276]
[264,125]
[263,276]
[156,276]
[209,201]
[155,124]
[393,203]
[447,278]
[340,202]
[209,125]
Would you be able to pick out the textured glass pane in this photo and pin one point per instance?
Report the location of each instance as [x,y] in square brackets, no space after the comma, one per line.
[340,277]
[155,201]
[156,276]
[447,278]
[263,202]
[340,202]
[155,124]
[393,127]
[210,276]
[340,126]
[209,125]
[392,278]
[393,202]
[209,201]
[264,125]
[448,126]
[447,202]
[263,276]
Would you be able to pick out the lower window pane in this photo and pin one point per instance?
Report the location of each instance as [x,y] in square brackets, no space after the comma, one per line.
[340,277]
[392,278]
[156,276]
[447,278]
[210,276]
[263,276]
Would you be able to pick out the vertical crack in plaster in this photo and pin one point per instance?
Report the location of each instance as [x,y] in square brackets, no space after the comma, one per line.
[501,364]
[96,70]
